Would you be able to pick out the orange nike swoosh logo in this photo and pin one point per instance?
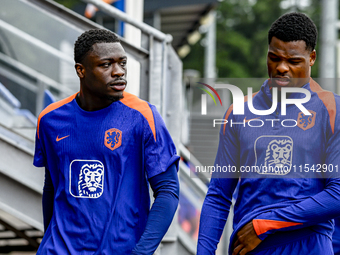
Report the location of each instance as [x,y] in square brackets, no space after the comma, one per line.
[61,138]
[245,119]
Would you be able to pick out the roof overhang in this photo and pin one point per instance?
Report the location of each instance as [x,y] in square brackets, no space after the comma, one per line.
[177,17]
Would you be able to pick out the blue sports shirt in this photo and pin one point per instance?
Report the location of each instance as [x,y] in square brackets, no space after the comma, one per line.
[296,185]
[100,163]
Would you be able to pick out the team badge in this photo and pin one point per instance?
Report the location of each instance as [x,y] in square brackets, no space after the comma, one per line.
[278,154]
[306,121]
[86,178]
[113,138]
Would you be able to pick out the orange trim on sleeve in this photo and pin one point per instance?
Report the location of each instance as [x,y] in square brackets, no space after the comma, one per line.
[231,108]
[328,100]
[52,107]
[143,107]
[263,226]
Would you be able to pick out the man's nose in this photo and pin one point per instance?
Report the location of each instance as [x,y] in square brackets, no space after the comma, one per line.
[282,67]
[117,70]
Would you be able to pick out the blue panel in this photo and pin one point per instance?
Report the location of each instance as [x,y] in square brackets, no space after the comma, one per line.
[120,4]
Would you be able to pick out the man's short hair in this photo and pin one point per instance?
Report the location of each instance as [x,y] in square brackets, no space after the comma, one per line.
[293,27]
[85,41]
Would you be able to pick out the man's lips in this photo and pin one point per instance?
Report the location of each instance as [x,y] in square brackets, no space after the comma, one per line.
[282,81]
[118,85]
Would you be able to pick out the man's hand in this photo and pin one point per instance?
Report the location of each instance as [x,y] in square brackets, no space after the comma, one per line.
[246,241]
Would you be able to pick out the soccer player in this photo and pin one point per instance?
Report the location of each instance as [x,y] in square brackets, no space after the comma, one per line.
[101,148]
[286,205]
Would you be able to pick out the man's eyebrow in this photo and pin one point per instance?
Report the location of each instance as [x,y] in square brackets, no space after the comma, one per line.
[112,59]
[271,53]
[291,58]
[296,58]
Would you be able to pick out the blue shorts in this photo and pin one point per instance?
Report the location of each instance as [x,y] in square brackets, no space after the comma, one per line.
[306,242]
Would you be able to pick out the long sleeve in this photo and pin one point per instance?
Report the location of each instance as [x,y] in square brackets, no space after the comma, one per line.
[322,206]
[166,191]
[217,202]
[214,214]
[47,199]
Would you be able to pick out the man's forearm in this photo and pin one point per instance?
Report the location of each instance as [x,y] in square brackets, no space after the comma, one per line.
[166,192]
[214,214]
[47,199]
[320,207]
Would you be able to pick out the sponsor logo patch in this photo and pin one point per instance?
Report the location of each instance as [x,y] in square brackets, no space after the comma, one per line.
[86,178]
[279,154]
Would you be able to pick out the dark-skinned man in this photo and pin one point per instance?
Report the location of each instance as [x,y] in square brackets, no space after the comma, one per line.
[101,148]
[286,205]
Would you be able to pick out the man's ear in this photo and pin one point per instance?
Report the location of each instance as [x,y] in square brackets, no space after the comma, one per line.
[312,58]
[80,70]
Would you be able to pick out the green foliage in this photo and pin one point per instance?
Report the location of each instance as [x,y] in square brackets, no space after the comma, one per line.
[68,3]
[241,37]
[195,59]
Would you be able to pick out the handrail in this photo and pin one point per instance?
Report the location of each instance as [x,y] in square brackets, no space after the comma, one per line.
[8,96]
[80,22]
[32,40]
[195,183]
[112,11]
[185,153]
[186,241]
[14,64]
[14,138]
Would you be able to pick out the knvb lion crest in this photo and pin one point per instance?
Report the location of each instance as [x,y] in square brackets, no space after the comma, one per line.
[113,138]
[273,154]
[306,121]
[90,182]
[279,156]
[86,178]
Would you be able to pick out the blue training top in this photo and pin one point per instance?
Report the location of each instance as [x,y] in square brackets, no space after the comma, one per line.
[288,166]
[100,163]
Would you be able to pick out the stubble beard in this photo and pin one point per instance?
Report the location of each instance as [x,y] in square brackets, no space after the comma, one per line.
[115,98]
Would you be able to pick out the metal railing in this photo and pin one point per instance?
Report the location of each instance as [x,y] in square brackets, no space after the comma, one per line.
[30,79]
[32,40]
[114,12]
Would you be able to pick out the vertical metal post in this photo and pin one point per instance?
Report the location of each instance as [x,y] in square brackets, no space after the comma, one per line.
[210,48]
[151,64]
[164,94]
[171,112]
[338,68]
[156,71]
[156,21]
[328,40]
